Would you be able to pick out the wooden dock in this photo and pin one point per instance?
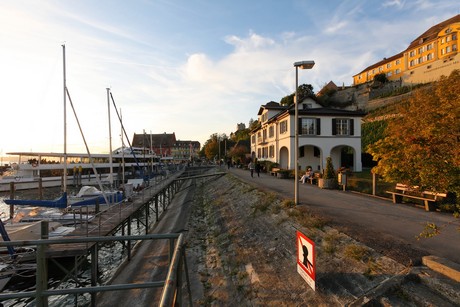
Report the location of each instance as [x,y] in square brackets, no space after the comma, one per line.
[107,222]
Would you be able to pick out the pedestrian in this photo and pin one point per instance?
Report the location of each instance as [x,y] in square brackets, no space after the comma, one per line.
[251,168]
[258,169]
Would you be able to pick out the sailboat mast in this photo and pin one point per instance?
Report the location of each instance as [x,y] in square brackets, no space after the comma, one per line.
[123,150]
[64,182]
[110,140]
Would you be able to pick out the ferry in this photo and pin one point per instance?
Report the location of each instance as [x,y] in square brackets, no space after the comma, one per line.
[48,167]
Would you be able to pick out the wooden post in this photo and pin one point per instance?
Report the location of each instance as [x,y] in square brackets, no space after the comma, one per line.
[40,188]
[42,268]
[374,183]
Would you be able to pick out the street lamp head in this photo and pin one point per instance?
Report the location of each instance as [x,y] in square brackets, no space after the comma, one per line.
[305,64]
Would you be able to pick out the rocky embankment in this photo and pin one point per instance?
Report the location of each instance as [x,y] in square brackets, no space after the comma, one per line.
[242,252]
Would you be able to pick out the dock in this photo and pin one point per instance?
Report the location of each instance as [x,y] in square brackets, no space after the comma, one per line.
[107,222]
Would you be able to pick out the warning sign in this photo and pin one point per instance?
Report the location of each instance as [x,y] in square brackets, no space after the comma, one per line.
[306,259]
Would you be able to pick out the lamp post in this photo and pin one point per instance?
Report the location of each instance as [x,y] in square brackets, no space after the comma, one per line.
[302,65]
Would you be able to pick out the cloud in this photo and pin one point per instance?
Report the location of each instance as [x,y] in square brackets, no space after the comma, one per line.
[393,3]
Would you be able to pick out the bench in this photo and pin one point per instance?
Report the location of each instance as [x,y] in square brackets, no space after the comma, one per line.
[429,198]
[314,178]
[274,171]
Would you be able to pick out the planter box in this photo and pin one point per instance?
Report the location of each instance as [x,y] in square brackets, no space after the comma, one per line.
[281,175]
[327,183]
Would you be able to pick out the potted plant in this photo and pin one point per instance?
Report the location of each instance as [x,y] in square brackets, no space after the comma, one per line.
[329,179]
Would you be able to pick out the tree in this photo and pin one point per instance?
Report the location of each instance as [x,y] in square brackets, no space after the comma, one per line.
[382,78]
[421,143]
[211,148]
[305,90]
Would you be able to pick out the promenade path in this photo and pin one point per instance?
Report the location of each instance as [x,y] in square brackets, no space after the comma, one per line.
[375,221]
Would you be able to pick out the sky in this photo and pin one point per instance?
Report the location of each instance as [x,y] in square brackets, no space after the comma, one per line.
[192,67]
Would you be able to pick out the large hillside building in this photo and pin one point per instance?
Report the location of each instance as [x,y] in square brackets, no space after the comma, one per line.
[426,59]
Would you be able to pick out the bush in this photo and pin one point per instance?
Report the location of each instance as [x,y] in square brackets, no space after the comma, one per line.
[329,173]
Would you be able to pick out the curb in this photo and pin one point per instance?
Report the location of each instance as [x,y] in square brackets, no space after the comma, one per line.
[443,266]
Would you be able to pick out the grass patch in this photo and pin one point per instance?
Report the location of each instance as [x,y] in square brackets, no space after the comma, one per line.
[288,203]
[356,252]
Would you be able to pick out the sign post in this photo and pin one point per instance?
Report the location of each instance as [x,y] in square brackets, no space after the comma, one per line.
[306,259]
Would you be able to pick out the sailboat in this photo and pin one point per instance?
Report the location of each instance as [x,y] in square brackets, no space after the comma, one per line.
[87,195]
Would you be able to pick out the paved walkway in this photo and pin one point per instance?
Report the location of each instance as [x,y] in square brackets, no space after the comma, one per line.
[401,223]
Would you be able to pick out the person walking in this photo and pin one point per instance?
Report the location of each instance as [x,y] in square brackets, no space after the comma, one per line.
[258,169]
[251,168]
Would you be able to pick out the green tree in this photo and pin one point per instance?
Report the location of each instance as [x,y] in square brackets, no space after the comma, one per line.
[305,90]
[381,78]
[421,141]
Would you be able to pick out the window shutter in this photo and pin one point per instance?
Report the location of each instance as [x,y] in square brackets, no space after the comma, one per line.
[334,126]
[318,126]
[352,127]
[300,126]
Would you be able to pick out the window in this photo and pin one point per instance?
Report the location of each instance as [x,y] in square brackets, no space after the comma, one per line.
[420,60]
[309,126]
[429,56]
[389,74]
[271,151]
[253,139]
[264,117]
[397,71]
[454,36]
[447,49]
[264,135]
[342,126]
[429,46]
[412,53]
[412,63]
[398,62]
[388,65]
[306,106]
[283,126]
[454,47]
[420,50]
[271,131]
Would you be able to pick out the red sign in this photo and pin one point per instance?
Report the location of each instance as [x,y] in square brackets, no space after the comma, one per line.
[306,259]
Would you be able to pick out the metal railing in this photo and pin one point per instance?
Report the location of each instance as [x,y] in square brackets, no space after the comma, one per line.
[172,285]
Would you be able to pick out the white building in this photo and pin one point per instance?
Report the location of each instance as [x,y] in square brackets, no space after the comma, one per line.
[323,132]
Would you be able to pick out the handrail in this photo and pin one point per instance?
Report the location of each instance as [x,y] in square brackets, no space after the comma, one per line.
[41,293]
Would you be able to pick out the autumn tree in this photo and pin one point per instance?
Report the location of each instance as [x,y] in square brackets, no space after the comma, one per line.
[215,145]
[421,141]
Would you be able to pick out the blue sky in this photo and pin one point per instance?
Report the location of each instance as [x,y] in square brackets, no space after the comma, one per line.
[192,67]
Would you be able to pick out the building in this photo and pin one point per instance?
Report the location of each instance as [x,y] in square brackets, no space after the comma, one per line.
[431,55]
[240,126]
[167,147]
[323,132]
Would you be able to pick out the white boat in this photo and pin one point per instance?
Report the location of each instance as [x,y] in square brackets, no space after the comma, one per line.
[48,167]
